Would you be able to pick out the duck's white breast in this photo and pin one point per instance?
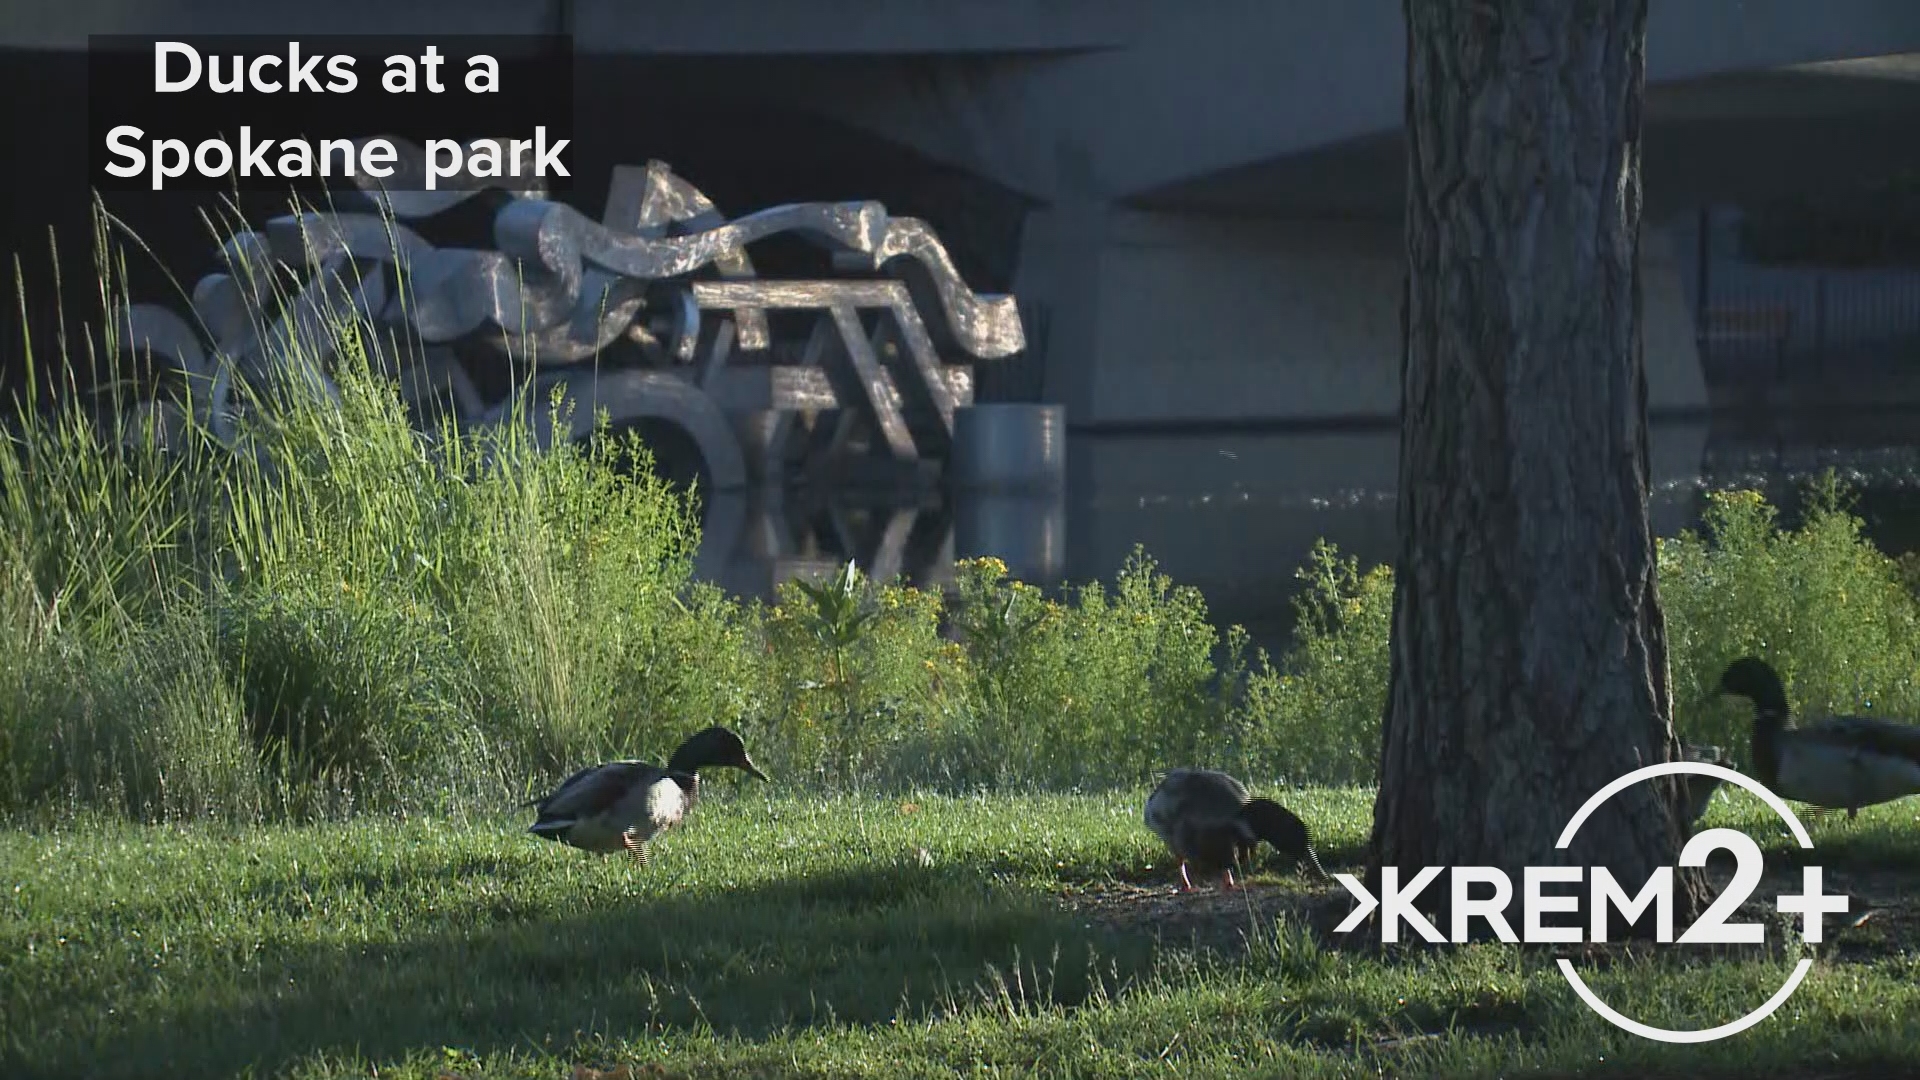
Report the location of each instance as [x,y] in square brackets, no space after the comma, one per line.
[666,804]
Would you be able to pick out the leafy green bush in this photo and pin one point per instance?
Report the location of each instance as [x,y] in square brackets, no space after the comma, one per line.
[995,685]
[1909,567]
[1317,715]
[1102,687]
[1819,602]
[855,673]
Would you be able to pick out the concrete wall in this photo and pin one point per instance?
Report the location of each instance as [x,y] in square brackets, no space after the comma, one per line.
[1168,318]
[1675,380]
[1223,318]
[1254,80]
[709,27]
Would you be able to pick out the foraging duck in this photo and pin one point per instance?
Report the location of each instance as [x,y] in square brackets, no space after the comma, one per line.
[1207,819]
[621,805]
[1843,762]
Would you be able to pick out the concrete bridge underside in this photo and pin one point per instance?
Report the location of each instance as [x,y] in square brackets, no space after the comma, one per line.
[1296,260]
[1227,202]
[1211,200]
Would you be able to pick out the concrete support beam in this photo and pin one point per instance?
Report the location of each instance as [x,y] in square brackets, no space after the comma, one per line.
[1256,80]
[711,27]
[1182,319]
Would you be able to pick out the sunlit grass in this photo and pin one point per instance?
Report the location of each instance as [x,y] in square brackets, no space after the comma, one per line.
[786,935]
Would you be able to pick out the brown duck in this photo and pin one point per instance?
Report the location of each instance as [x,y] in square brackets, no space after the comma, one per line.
[1210,823]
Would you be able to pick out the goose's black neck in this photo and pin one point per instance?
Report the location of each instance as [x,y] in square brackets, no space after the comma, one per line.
[687,760]
[703,749]
[1768,720]
[1754,679]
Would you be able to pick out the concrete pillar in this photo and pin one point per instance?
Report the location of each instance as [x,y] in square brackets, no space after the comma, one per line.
[1058,282]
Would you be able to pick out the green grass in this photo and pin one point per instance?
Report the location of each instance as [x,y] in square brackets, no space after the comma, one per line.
[780,935]
[265,692]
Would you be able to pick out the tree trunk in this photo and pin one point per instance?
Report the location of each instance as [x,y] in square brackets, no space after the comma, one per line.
[1529,651]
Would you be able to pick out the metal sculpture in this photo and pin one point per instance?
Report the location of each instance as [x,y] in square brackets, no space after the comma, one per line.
[663,278]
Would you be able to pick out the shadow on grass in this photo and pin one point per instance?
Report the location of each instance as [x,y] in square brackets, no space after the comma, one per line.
[861,947]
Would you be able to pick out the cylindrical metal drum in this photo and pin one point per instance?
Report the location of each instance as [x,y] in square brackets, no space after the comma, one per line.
[1009,447]
[1027,530]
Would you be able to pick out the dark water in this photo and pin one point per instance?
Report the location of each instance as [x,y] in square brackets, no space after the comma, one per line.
[1237,514]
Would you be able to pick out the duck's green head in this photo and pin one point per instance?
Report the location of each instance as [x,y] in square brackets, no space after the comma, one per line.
[1281,828]
[1754,679]
[712,748]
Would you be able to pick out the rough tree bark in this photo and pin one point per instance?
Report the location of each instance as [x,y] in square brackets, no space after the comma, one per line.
[1529,652]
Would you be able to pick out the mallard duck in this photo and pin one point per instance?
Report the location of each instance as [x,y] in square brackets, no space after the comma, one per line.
[1842,762]
[621,805]
[1208,821]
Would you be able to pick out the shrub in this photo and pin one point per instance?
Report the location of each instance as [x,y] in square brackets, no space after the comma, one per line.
[1316,716]
[1819,602]
[1909,565]
[1098,688]
[860,679]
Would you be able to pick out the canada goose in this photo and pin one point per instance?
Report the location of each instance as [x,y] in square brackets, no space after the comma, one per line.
[1207,820]
[621,805]
[1843,762]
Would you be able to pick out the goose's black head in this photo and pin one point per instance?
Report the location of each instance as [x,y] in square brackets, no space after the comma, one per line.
[1754,679]
[714,747]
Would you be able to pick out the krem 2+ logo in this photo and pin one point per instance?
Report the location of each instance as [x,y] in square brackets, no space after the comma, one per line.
[1812,904]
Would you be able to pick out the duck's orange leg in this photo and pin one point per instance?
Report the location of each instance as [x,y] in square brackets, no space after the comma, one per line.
[636,849]
[1186,883]
[1226,880]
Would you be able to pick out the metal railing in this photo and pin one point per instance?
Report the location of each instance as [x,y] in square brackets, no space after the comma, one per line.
[1783,322]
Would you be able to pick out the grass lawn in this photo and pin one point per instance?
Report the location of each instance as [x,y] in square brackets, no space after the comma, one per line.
[779,935]
[348,621]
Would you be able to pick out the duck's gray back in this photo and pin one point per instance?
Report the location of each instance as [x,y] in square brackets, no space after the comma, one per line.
[1193,794]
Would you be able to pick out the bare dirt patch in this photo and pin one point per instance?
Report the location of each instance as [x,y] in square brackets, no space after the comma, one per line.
[1206,917]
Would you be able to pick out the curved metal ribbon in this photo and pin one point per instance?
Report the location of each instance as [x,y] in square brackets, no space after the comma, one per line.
[628,395]
[405,193]
[985,326]
[558,288]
